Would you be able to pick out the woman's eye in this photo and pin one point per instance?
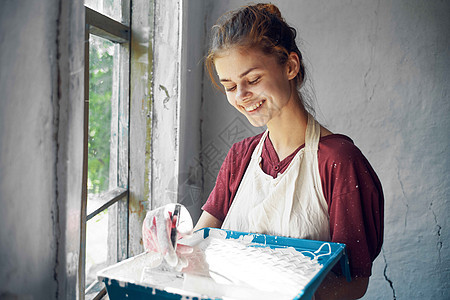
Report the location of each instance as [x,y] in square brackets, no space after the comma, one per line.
[254,80]
[230,89]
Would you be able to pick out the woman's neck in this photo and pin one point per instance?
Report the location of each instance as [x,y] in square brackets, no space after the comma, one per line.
[287,132]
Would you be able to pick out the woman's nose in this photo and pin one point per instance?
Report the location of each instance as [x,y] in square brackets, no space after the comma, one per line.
[242,92]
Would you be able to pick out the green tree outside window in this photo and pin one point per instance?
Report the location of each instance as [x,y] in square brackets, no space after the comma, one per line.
[100,91]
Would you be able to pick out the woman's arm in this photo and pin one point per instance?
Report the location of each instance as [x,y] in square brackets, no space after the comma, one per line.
[207,220]
[336,287]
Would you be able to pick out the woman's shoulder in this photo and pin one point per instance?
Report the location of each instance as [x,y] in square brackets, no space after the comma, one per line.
[341,163]
[338,147]
[338,154]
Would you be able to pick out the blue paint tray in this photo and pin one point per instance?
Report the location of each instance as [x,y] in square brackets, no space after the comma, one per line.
[135,277]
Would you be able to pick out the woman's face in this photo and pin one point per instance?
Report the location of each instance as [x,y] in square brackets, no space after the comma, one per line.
[255,84]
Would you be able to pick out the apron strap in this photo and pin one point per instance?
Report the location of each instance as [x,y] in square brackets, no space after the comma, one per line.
[258,150]
[312,135]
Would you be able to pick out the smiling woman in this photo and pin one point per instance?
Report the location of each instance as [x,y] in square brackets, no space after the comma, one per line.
[296,179]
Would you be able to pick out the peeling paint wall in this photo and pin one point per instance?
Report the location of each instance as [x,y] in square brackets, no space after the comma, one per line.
[380,70]
[41,120]
[140,120]
[165,102]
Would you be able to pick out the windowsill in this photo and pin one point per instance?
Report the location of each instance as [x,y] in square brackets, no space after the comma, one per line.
[96,291]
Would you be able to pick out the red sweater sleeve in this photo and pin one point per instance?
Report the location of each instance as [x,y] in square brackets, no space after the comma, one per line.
[355,202]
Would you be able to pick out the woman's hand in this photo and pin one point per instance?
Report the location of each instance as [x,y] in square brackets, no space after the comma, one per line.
[161,230]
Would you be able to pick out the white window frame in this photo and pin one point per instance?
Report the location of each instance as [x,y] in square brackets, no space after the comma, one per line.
[154,118]
[105,27]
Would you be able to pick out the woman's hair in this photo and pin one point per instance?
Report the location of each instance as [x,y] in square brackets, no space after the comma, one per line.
[258,26]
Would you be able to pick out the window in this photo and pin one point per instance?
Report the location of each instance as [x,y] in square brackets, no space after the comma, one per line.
[106,149]
[142,132]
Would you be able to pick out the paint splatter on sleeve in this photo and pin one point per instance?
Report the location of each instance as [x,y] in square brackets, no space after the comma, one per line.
[355,201]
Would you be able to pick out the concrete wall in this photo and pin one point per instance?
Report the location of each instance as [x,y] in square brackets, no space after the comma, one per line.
[41,114]
[380,70]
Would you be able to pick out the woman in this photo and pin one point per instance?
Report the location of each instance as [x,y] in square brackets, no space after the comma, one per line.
[296,179]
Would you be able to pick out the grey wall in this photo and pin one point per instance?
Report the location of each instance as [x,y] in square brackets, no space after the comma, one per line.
[193,41]
[41,114]
[27,149]
[380,70]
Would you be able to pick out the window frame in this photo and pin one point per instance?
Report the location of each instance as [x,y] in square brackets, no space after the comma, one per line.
[114,31]
[154,116]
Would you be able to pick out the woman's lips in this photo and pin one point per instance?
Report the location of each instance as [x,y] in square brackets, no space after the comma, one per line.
[254,107]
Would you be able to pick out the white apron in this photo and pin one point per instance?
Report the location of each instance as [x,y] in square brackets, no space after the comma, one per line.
[291,205]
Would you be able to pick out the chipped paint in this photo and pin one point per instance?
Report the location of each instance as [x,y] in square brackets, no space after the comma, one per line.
[165,113]
[167,98]
[137,208]
[141,119]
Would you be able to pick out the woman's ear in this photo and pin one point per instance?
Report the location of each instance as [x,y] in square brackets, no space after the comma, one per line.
[292,65]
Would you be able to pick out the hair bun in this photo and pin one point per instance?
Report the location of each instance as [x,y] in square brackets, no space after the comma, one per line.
[270,8]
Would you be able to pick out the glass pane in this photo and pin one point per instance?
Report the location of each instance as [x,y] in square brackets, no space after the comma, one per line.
[110,8]
[101,85]
[101,241]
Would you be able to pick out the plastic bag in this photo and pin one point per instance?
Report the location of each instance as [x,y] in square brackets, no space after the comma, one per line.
[161,230]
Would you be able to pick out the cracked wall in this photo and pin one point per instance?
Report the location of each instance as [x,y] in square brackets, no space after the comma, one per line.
[380,74]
